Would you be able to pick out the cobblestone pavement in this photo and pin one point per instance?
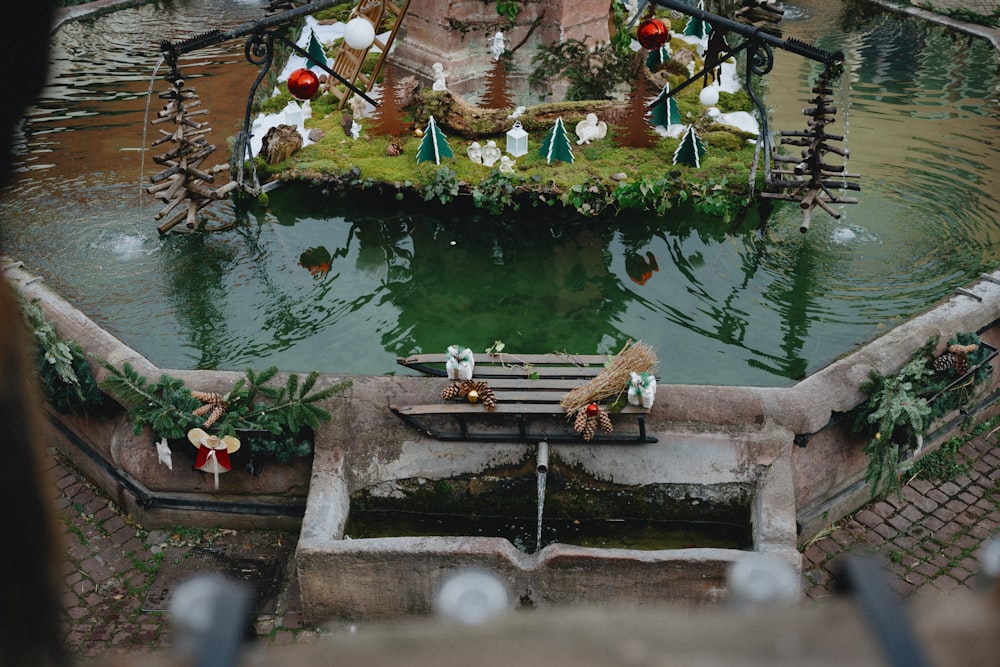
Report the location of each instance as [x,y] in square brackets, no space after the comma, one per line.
[111,563]
[927,540]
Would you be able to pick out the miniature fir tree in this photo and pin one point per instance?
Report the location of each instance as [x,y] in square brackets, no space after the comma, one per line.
[663,110]
[386,119]
[497,95]
[316,52]
[637,131]
[555,145]
[696,27]
[657,57]
[434,145]
[690,150]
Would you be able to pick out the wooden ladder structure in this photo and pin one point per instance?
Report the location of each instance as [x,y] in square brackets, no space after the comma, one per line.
[384,15]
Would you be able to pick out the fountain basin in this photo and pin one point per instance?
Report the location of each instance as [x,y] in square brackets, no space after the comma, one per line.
[383,577]
[790,446]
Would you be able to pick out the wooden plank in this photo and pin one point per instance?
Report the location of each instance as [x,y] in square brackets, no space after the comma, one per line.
[554,359]
[502,409]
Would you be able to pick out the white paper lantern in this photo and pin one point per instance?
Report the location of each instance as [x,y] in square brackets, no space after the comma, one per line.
[517,140]
[359,33]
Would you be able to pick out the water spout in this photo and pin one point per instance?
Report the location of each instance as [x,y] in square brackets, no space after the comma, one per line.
[542,458]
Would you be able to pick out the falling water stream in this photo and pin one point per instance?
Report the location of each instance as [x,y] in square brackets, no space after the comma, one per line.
[345,285]
[542,474]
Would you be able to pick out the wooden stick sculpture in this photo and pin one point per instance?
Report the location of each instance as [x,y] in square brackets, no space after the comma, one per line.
[183,185]
[810,179]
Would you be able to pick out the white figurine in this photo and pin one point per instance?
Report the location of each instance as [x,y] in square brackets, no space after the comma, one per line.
[497,47]
[506,164]
[460,363]
[355,129]
[163,453]
[490,153]
[476,152]
[642,390]
[359,106]
[516,112]
[590,128]
[439,75]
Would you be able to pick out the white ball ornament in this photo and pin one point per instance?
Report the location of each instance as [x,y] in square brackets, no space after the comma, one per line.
[359,33]
[709,96]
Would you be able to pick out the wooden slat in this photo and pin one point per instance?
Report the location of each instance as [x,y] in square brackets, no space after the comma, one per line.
[502,408]
[515,359]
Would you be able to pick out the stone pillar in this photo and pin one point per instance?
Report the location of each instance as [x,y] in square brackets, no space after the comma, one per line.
[457,34]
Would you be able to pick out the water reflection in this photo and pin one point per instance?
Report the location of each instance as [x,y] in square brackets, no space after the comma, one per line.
[346,285]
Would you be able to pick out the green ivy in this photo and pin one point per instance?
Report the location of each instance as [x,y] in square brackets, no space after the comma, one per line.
[280,426]
[496,193]
[444,187]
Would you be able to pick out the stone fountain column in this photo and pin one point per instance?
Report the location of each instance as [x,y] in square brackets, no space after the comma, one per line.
[458,35]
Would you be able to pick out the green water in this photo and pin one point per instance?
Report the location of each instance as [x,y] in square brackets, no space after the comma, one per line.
[347,284]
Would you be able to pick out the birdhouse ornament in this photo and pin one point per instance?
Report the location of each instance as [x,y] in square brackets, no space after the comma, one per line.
[213,452]
[517,140]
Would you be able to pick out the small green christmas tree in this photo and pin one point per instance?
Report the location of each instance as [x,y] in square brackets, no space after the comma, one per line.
[316,52]
[434,145]
[555,145]
[663,111]
[657,57]
[690,150]
[697,27]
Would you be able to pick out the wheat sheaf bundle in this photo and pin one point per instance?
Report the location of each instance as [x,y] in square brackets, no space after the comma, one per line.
[633,358]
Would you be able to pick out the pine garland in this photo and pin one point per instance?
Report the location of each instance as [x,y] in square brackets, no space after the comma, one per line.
[280,427]
[901,407]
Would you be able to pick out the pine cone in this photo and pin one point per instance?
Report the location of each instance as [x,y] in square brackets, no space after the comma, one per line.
[590,428]
[961,363]
[604,419]
[943,362]
[451,391]
[198,412]
[217,411]
[957,360]
[208,396]
[488,398]
[581,421]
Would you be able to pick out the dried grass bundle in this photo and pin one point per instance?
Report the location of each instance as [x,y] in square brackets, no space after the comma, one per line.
[637,358]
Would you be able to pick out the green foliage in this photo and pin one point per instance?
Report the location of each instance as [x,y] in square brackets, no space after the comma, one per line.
[281,425]
[508,9]
[67,380]
[496,193]
[593,197]
[942,464]
[444,187]
[593,73]
[901,407]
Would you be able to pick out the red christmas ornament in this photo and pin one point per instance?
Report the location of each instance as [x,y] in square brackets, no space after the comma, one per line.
[653,33]
[303,84]
[592,409]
